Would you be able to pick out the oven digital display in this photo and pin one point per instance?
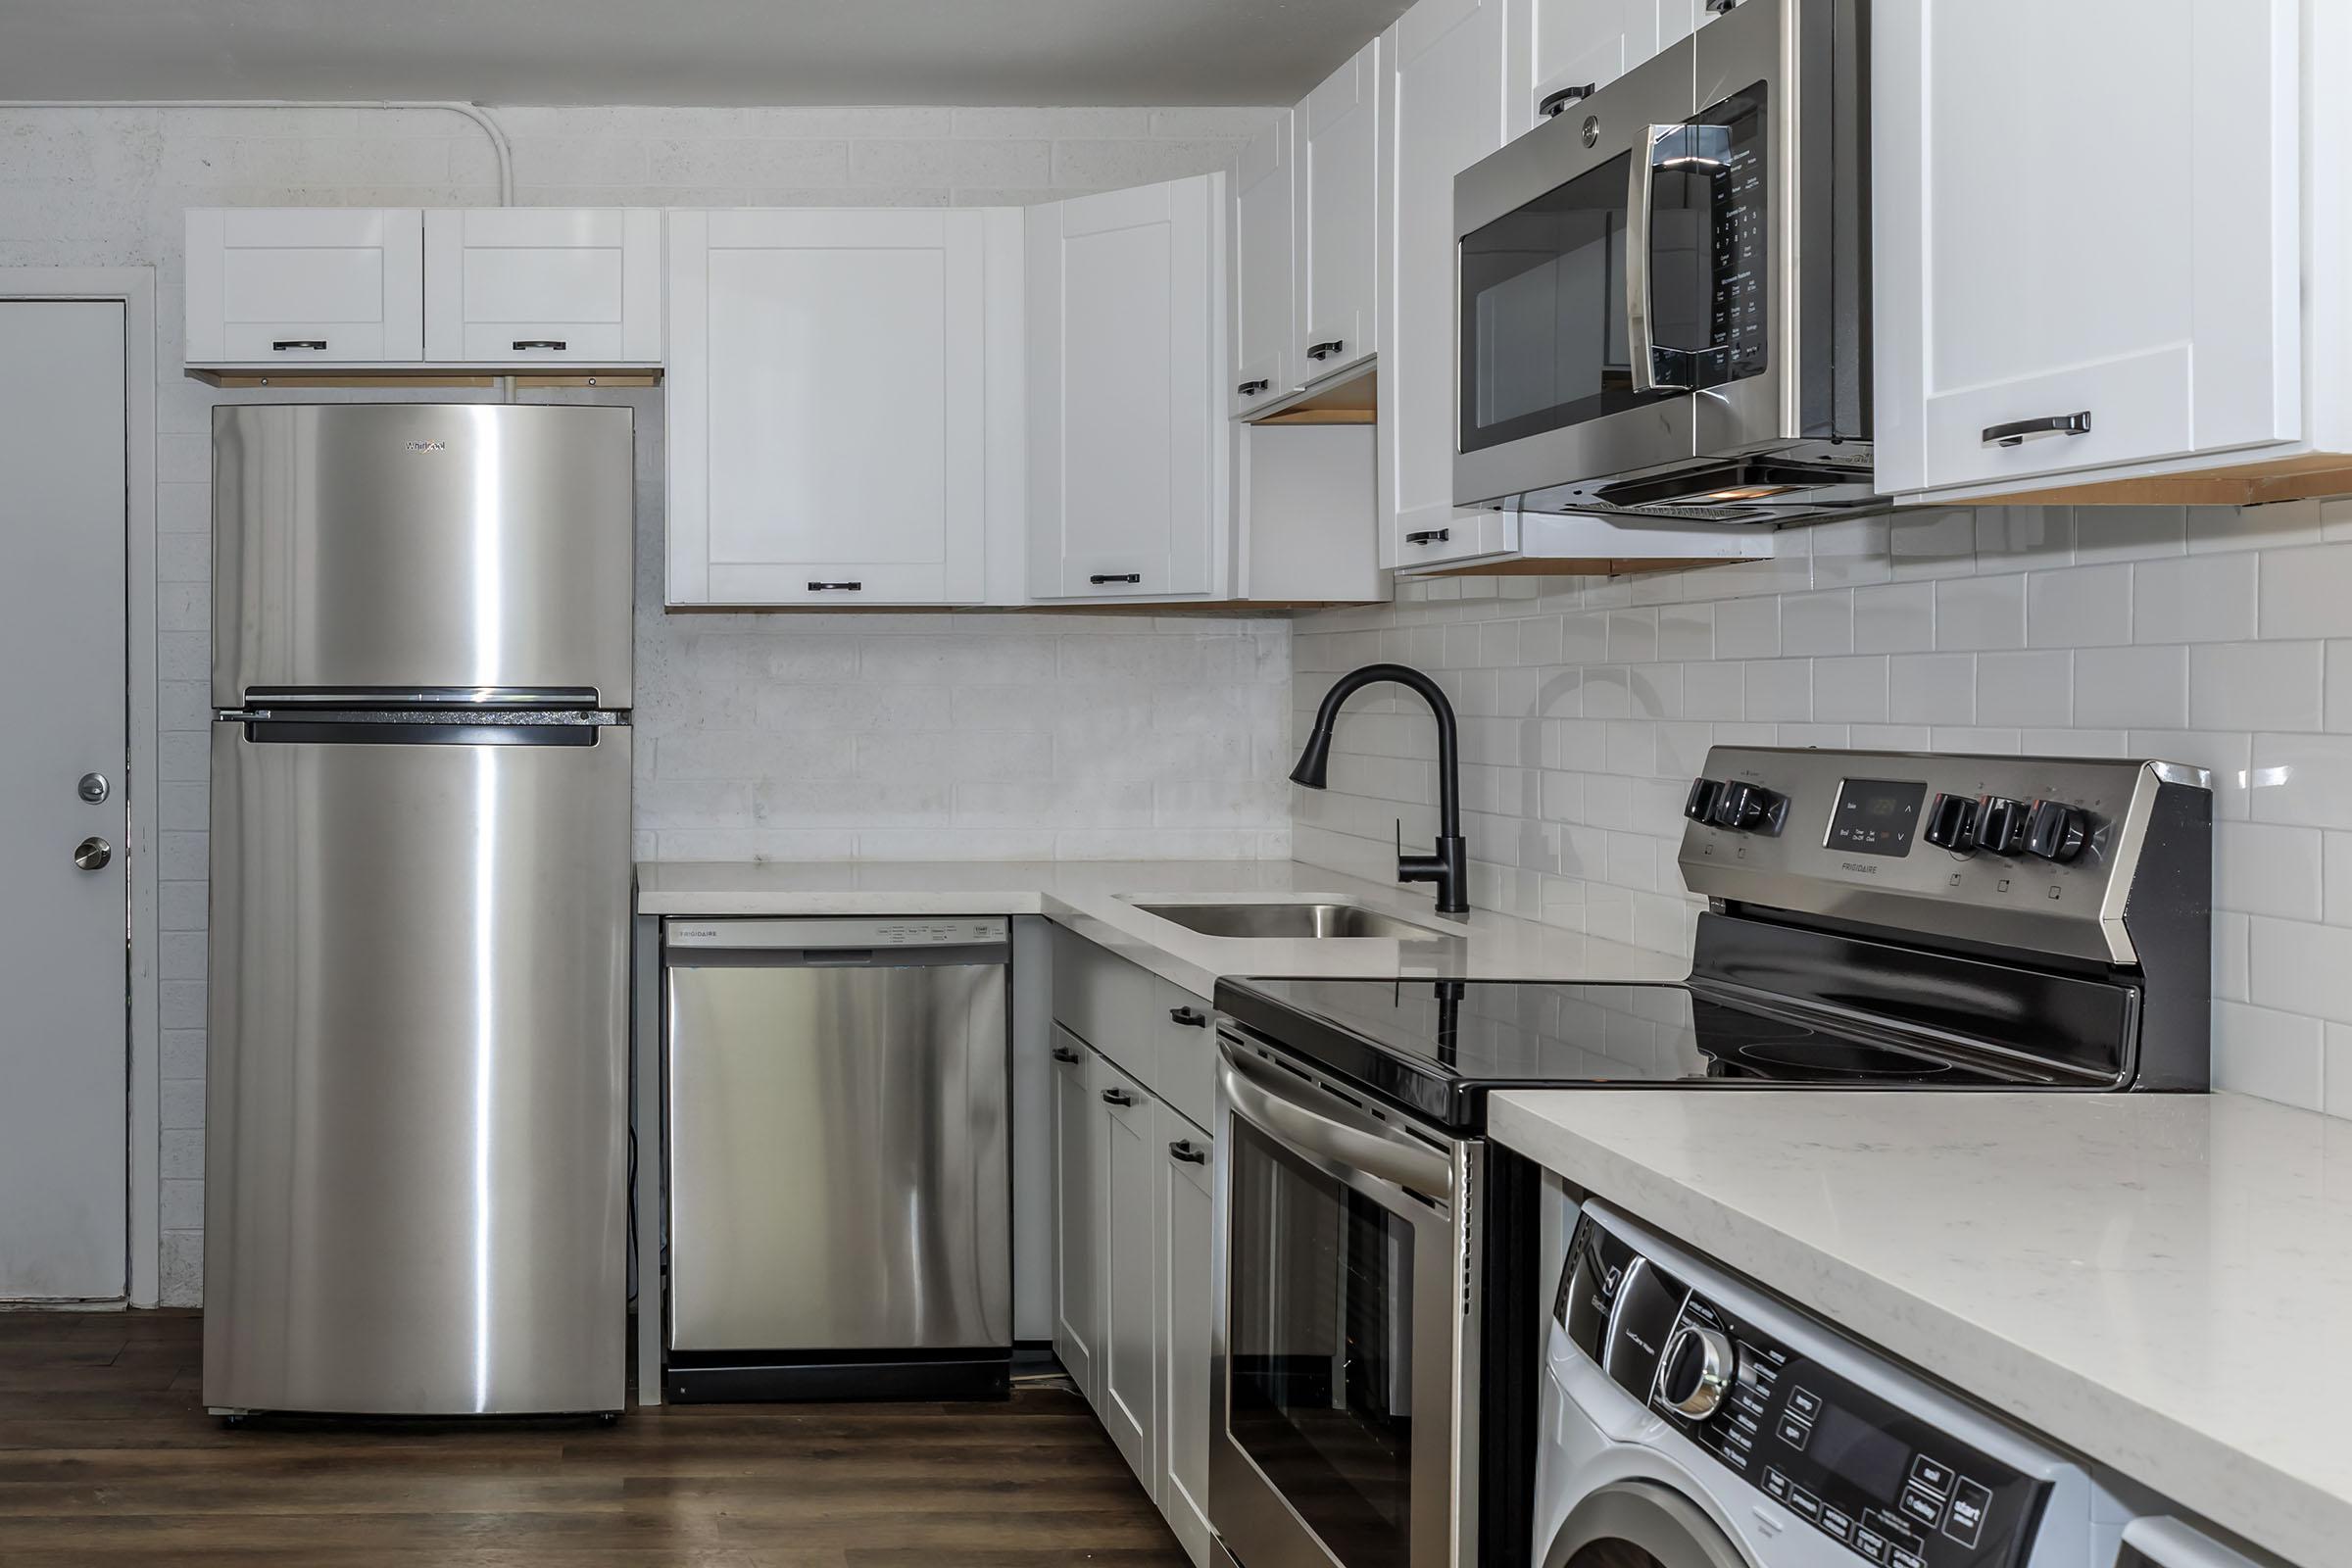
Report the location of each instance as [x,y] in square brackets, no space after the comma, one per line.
[1875,816]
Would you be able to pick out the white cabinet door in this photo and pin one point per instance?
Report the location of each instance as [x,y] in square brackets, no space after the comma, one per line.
[1188,1305]
[1127,445]
[1262,283]
[1077,1217]
[828,404]
[1449,108]
[305,286]
[556,285]
[1566,50]
[1129,1404]
[1338,219]
[2155,307]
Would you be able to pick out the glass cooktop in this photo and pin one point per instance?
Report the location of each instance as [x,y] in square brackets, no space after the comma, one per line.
[1437,1047]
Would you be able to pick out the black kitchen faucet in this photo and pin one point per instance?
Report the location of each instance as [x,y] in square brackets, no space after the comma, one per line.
[1450,866]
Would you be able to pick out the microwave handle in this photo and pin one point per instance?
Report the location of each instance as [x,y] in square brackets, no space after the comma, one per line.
[1641,205]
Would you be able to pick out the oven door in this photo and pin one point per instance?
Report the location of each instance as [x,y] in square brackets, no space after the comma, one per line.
[1344,1335]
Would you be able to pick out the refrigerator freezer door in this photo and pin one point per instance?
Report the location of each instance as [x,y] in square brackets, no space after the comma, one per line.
[838,1174]
[417,1155]
[364,548]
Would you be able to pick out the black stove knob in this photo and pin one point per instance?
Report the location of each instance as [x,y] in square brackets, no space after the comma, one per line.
[2001,824]
[2056,831]
[1700,805]
[1697,1371]
[1742,806]
[1951,823]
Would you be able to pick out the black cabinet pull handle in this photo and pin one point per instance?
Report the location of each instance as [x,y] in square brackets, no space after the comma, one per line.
[554,343]
[1065,1056]
[1324,351]
[1554,103]
[1186,1152]
[1190,1017]
[2017,432]
[284,343]
[1101,577]
[1428,536]
[1252,388]
[1720,7]
[1117,1096]
[836,587]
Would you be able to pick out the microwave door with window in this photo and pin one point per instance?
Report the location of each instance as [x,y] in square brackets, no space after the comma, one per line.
[1662,292]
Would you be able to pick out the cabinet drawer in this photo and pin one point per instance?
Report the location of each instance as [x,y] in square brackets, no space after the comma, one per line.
[1445,537]
[1185,1051]
[1105,1001]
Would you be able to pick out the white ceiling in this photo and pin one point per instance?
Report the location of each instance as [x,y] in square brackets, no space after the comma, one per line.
[688,52]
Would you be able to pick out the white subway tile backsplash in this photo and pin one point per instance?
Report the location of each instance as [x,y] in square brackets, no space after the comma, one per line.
[1852,690]
[1820,623]
[2026,688]
[2138,688]
[1976,612]
[2196,598]
[2304,779]
[2307,592]
[1926,687]
[2259,685]
[2271,870]
[2128,534]
[1894,619]
[1747,628]
[2085,608]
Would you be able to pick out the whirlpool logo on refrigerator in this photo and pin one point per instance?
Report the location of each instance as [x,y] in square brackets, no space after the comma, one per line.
[427,446]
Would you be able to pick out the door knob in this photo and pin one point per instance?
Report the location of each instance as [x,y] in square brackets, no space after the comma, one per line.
[93,787]
[92,854]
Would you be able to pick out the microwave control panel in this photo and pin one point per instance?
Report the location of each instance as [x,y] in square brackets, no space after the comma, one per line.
[1889,1487]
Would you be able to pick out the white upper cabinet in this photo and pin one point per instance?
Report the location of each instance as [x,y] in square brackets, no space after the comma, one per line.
[293,286]
[1338,219]
[1260,304]
[828,402]
[1128,448]
[2079,277]
[543,285]
[1448,107]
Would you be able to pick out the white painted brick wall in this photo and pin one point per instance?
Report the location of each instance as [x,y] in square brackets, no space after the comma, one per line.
[2208,636]
[1006,735]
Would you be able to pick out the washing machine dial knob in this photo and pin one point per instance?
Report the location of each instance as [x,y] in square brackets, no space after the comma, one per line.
[1697,1371]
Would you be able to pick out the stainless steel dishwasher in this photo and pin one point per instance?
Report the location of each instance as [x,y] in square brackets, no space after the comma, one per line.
[840,1193]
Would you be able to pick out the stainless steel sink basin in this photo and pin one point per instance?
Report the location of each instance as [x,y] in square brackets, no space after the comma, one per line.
[1317,920]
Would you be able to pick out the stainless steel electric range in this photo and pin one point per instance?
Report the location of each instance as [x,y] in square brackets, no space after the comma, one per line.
[1874,921]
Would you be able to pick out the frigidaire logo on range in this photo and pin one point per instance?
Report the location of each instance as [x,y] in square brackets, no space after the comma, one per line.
[429,445]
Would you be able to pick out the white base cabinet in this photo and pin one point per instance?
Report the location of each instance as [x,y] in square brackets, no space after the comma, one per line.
[832,432]
[1133,1174]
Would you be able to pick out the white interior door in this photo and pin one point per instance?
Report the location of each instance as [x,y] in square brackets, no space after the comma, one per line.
[64,1071]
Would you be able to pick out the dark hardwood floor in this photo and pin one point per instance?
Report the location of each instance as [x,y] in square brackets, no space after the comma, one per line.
[107,1458]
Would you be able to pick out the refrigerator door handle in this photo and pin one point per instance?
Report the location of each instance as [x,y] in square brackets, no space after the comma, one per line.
[276,730]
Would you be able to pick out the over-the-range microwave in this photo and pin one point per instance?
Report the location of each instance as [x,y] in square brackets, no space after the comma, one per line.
[1663,291]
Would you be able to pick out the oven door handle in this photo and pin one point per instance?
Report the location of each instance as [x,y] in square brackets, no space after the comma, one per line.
[1640,209]
[1337,1135]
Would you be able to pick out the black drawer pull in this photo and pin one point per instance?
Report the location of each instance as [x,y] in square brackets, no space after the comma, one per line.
[1190,1017]
[1186,1152]
[1428,536]
[1101,577]
[1252,388]
[1556,102]
[1720,7]
[1324,351]
[319,344]
[554,343]
[1065,1056]
[836,587]
[1117,1096]
[2017,432]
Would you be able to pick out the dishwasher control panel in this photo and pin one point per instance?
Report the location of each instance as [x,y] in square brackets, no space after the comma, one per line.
[865,933]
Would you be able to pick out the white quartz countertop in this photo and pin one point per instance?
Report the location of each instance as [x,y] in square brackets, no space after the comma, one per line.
[2161,1282]
[1097,900]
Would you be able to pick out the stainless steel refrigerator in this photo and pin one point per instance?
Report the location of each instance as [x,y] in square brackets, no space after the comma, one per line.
[416,1162]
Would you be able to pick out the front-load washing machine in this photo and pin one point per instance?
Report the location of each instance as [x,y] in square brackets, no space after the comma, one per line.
[1688,1421]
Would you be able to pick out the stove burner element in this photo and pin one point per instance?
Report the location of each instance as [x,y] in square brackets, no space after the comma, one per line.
[1842,1059]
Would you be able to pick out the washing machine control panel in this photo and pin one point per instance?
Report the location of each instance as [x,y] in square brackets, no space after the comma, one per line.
[1892,1488]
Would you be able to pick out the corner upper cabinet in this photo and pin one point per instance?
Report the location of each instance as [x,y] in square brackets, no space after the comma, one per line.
[830,426]
[291,287]
[1338,220]
[1260,234]
[1450,107]
[553,285]
[1128,459]
[2043,322]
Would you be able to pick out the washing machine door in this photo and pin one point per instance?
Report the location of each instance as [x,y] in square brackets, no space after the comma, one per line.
[1640,1523]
